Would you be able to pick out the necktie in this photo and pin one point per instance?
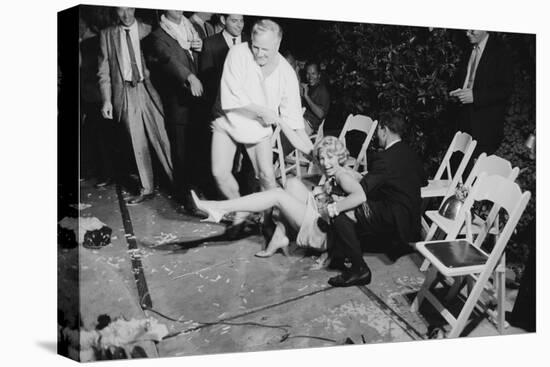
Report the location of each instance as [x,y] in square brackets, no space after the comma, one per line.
[473,67]
[234,40]
[133,62]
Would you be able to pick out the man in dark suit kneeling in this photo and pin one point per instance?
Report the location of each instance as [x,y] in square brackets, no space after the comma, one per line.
[390,217]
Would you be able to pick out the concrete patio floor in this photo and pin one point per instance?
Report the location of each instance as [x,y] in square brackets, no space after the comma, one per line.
[216,297]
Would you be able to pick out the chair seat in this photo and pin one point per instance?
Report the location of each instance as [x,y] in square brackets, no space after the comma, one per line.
[478,225]
[435,188]
[453,258]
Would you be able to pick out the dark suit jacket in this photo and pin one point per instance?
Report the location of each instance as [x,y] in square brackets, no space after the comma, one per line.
[209,28]
[111,82]
[484,119]
[392,186]
[170,67]
[214,51]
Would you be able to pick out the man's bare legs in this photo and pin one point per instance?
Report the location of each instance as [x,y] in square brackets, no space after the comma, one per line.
[261,155]
[223,152]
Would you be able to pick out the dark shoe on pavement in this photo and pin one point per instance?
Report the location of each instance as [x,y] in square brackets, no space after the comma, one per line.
[186,205]
[348,278]
[140,198]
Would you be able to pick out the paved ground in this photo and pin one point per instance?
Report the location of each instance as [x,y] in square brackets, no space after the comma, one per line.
[216,297]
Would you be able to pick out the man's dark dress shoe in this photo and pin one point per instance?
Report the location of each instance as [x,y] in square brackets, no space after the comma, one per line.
[348,279]
[140,198]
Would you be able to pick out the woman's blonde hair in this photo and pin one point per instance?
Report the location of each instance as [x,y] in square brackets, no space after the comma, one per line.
[333,146]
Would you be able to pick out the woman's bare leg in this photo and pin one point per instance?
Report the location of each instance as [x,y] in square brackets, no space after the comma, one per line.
[291,208]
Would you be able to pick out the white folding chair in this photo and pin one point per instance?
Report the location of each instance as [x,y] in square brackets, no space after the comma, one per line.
[458,258]
[296,156]
[366,125]
[280,166]
[439,186]
[490,165]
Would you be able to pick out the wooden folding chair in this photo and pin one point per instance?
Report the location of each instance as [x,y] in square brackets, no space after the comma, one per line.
[296,156]
[458,258]
[366,125]
[280,166]
[439,186]
[490,165]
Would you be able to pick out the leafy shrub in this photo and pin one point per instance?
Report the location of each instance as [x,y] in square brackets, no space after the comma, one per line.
[377,68]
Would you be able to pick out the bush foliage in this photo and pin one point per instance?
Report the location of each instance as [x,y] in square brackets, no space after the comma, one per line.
[373,68]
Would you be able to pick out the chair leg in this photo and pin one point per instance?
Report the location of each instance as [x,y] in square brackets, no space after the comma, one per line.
[469,305]
[425,226]
[431,276]
[298,164]
[501,295]
[429,236]
[458,284]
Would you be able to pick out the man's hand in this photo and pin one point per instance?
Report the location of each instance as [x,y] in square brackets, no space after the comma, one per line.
[464,95]
[267,117]
[107,111]
[196,45]
[195,85]
[303,89]
[323,212]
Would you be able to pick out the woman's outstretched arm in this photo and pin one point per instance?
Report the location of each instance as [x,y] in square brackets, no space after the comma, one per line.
[356,195]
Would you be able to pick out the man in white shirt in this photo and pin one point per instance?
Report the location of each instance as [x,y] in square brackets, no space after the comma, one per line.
[129,97]
[258,88]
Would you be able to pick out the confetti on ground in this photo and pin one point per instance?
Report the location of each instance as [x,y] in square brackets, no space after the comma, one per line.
[216,279]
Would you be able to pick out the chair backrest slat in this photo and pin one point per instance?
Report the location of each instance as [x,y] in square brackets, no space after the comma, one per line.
[492,165]
[502,192]
[363,124]
[462,142]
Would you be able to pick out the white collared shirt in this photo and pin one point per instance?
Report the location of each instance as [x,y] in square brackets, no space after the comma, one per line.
[392,144]
[229,39]
[481,46]
[126,63]
[243,83]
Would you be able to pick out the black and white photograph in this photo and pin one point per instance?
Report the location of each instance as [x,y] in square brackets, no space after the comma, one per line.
[234,179]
